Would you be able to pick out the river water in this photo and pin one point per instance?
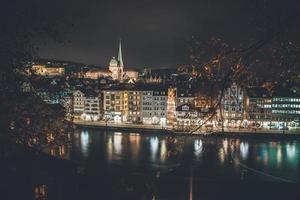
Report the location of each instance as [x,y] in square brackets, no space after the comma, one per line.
[106,164]
[204,158]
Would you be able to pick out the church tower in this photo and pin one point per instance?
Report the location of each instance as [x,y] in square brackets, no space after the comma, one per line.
[120,62]
[116,66]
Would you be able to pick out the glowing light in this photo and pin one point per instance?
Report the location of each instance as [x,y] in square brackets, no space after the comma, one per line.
[110,149]
[84,138]
[244,149]
[225,146]
[198,147]
[163,150]
[291,151]
[279,155]
[134,139]
[117,143]
[154,147]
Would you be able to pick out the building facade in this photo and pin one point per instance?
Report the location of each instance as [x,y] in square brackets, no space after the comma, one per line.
[154,105]
[285,108]
[87,105]
[258,104]
[233,106]
[132,106]
[187,116]
[45,70]
[116,66]
[113,105]
[78,103]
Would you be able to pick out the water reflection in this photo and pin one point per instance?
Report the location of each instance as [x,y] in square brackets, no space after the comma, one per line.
[117,143]
[62,151]
[244,148]
[134,139]
[84,139]
[163,150]
[291,151]
[279,155]
[280,158]
[154,147]
[198,148]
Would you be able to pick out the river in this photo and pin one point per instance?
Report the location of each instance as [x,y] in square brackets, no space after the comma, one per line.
[209,158]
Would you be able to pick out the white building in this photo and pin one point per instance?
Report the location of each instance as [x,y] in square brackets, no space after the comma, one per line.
[154,106]
[87,105]
[233,106]
[147,101]
[187,116]
[116,66]
[78,103]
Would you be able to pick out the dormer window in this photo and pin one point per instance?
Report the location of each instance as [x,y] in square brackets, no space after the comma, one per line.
[185,107]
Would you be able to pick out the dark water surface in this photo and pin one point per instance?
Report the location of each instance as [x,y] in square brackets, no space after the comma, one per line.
[106,164]
[205,158]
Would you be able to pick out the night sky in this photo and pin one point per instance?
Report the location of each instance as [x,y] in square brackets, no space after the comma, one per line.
[154,33]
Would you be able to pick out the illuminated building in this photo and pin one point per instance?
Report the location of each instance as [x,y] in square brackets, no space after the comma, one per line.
[78,103]
[87,105]
[113,100]
[258,106]
[285,108]
[97,73]
[154,104]
[152,79]
[171,107]
[131,74]
[116,66]
[132,105]
[233,105]
[187,116]
[45,70]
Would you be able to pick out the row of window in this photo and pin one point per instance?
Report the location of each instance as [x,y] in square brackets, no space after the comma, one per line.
[92,109]
[286,105]
[287,99]
[286,111]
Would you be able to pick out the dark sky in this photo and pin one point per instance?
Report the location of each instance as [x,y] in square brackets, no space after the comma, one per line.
[154,33]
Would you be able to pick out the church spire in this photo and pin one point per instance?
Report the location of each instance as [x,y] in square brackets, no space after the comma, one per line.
[120,60]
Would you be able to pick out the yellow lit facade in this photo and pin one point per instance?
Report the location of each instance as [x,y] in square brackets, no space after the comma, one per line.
[44,70]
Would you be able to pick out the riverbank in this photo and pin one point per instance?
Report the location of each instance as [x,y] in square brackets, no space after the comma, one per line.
[227,132]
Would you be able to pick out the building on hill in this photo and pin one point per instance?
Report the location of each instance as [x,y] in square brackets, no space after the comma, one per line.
[97,73]
[116,66]
[47,70]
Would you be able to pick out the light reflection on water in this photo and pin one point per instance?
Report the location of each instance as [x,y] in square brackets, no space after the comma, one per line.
[281,158]
[198,148]
[84,138]
[154,142]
